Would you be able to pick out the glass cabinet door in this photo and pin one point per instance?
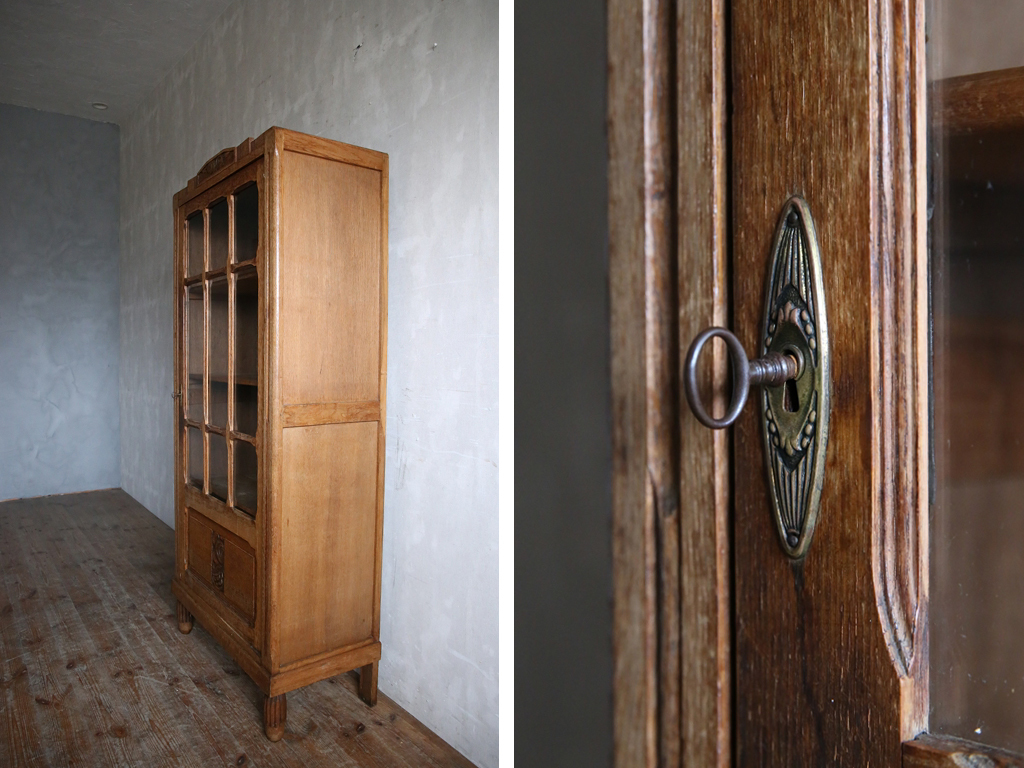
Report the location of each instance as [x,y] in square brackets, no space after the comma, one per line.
[976,65]
[221,347]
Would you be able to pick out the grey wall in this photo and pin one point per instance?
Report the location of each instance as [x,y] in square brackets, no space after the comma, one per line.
[418,80]
[968,36]
[563,434]
[58,304]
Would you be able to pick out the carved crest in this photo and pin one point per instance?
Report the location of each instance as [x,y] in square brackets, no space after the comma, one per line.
[217,564]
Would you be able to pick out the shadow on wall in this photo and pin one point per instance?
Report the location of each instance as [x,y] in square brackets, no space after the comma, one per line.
[562,431]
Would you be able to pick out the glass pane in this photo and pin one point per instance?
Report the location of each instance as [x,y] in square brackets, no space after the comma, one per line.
[218,361]
[194,354]
[194,458]
[218,466]
[245,409]
[245,477]
[219,235]
[246,326]
[247,208]
[246,350]
[977,232]
[194,243]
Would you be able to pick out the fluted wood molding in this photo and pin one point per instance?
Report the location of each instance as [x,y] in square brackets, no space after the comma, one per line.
[899,368]
[275,712]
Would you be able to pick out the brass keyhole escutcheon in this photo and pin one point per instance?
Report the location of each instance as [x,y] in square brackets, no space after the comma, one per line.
[794,372]
[795,418]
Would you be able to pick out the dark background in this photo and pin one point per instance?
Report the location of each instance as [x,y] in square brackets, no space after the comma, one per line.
[563,426]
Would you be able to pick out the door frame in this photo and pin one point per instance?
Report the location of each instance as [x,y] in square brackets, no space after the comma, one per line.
[670,550]
[671,488]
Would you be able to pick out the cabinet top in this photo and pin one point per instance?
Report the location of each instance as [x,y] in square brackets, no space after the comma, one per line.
[272,141]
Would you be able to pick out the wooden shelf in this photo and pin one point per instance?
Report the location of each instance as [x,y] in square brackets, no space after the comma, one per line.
[244,381]
[980,120]
[986,101]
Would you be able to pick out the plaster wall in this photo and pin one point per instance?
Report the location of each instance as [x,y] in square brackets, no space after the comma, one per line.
[419,80]
[58,304]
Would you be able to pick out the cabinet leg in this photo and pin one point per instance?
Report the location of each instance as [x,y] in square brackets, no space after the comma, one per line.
[368,683]
[185,619]
[275,712]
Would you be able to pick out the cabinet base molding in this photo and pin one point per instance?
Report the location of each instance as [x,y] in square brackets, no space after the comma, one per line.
[362,656]
[328,665]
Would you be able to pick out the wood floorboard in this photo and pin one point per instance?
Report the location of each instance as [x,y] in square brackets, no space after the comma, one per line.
[94,672]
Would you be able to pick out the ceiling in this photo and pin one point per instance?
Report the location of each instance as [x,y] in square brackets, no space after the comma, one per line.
[63,55]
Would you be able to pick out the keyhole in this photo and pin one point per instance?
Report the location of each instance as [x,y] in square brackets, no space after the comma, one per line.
[790,398]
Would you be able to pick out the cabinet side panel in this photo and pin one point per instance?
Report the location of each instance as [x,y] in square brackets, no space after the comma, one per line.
[328,538]
[330,280]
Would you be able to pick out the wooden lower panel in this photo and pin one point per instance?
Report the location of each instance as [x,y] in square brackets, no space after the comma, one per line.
[241,525]
[223,563]
[325,597]
[240,578]
[200,549]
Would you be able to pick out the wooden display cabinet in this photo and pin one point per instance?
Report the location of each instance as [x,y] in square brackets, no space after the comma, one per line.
[280,343]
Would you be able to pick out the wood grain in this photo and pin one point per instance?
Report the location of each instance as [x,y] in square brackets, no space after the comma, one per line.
[272,400]
[330,281]
[813,90]
[670,483]
[327,567]
[313,414]
[93,669]
[242,172]
[986,101]
[634,557]
[705,485]
[244,153]
[310,670]
[239,524]
[368,683]
[661,358]
[293,141]
[275,712]
[185,619]
[900,365]
[200,548]
[222,159]
[946,752]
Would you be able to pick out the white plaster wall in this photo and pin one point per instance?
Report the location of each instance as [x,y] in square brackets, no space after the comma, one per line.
[418,80]
[58,304]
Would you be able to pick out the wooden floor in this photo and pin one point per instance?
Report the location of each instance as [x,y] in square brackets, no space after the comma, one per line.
[93,670]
